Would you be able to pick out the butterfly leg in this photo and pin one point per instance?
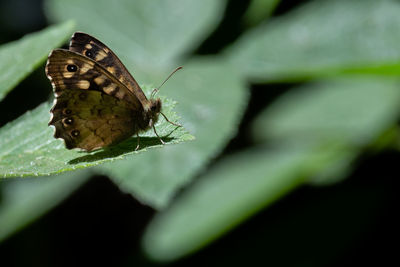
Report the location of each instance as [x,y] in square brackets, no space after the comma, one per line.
[165,117]
[162,142]
[138,142]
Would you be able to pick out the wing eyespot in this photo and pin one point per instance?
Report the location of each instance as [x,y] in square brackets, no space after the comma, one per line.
[68,121]
[72,68]
[89,53]
[75,133]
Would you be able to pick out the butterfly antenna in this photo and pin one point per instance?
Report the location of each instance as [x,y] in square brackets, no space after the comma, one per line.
[155,90]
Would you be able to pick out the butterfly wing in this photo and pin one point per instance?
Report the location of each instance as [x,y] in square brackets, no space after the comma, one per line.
[89,46]
[92,109]
[71,71]
[91,119]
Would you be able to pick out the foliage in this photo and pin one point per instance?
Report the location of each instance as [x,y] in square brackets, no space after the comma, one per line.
[344,52]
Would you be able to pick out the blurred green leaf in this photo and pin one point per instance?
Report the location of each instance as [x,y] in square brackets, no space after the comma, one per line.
[19,58]
[155,177]
[27,145]
[148,36]
[322,38]
[354,111]
[259,10]
[348,114]
[212,99]
[230,192]
[24,200]
[152,37]
[314,132]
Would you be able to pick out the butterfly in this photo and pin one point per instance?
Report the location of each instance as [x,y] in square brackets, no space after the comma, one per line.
[97,101]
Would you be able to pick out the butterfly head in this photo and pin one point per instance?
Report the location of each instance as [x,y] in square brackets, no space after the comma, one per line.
[155,106]
[154,110]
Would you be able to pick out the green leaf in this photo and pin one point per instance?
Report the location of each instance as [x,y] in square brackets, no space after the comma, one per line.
[151,38]
[211,100]
[148,36]
[314,132]
[345,114]
[27,146]
[24,200]
[19,58]
[322,38]
[230,192]
[355,111]
[259,10]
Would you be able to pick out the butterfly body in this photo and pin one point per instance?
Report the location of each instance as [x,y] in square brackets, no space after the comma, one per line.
[97,101]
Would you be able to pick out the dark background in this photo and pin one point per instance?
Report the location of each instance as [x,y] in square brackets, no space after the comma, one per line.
[347,224]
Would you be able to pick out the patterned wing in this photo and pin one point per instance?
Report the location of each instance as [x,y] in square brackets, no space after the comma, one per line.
[71,71]
[89,46]
[90,119]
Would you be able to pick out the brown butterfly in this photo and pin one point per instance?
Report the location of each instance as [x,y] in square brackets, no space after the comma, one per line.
[97,101]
